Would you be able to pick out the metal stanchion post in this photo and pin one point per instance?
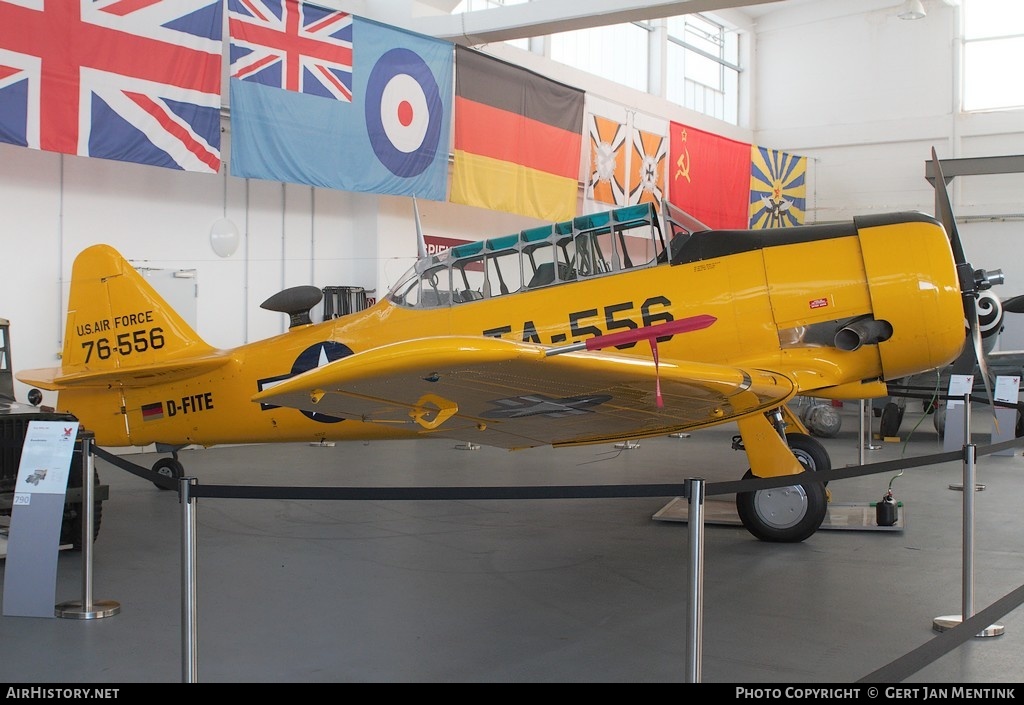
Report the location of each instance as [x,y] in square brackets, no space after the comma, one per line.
[942,624]
[862,440]
[865,430]
[189,659]
[86,608]
[695,575]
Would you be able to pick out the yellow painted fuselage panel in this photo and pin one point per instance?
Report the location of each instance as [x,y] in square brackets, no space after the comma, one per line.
[762,301]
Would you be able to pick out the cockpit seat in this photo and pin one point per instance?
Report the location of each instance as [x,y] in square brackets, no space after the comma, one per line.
[544,275]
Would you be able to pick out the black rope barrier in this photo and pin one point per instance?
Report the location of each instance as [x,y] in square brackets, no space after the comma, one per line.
[541,491]
[165,482]
[929,652]
[929,394]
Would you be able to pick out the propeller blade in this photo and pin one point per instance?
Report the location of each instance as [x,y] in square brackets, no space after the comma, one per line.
[967,362]
[1014,304]
[971,283]
[945,211]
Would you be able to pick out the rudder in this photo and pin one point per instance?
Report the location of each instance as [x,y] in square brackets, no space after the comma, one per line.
[117,320]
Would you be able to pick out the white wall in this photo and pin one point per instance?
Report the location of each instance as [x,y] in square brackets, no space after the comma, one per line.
[864,95]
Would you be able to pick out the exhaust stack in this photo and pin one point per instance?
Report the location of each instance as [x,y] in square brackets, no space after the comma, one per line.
[862,331]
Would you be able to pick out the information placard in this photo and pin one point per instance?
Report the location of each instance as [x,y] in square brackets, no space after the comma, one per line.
[33,542]
[953,430]
[1005,428]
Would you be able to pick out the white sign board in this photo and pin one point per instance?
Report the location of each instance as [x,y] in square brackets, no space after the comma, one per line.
[1005,428]
[953,431]
[33,542]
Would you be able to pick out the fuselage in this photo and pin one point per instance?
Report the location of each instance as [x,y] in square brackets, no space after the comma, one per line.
[779,298]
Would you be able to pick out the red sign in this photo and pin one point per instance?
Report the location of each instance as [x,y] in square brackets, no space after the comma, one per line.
[436,245]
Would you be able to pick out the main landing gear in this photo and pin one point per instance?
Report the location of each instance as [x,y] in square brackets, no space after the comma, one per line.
[792,513]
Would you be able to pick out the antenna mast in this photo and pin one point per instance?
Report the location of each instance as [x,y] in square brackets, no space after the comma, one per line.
[421,242]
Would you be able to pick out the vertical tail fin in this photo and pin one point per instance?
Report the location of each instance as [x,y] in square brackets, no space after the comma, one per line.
[116,320]
[124,346]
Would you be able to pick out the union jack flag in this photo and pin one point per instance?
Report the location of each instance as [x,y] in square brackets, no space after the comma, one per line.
[132,80]
[293,45]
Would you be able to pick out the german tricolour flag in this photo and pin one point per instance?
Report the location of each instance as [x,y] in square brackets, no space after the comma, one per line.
[517,139]
[153,412]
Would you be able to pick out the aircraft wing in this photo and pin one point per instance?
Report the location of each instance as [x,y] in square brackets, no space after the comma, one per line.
[1006,362]
[516,395]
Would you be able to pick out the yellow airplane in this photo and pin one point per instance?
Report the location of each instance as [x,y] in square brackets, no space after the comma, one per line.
[610,327]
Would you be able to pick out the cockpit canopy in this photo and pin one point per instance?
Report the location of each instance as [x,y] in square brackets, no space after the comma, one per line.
[587,246]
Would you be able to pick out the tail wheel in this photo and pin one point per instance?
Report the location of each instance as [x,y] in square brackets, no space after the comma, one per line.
[792,513]
[169,467]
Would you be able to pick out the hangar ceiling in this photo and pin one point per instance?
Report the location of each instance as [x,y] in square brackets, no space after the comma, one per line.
[541,17]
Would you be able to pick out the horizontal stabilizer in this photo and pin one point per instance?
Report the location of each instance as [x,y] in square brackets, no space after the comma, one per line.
[155,373]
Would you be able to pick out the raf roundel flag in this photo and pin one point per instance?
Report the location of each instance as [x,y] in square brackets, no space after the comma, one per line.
[324,98]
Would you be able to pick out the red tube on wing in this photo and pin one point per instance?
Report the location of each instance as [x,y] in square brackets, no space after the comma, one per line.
[651,335]
[682,325]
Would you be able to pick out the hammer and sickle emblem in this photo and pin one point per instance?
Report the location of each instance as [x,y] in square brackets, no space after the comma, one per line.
[684,160]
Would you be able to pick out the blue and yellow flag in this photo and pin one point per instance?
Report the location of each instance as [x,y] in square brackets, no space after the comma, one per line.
[778,188]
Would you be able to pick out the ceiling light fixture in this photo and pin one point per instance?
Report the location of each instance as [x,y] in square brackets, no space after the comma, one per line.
[911,10]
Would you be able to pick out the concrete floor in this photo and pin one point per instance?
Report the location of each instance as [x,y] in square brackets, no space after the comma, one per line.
[538,590]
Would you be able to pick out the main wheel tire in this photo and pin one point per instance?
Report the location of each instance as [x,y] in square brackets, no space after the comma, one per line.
[892,418]
[168,467]
[792,513]
[810,452]
[939,421]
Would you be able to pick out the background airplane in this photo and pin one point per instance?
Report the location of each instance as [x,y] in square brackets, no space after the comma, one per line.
[994,363]
[610,327]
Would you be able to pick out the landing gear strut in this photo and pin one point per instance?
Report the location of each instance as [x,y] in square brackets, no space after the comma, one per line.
[788,514]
